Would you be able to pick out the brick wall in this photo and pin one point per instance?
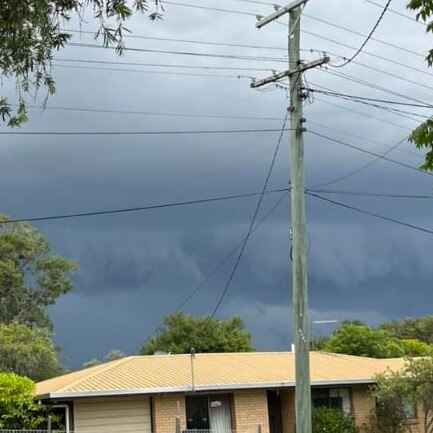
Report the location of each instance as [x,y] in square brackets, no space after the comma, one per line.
[165,409]
[251,410]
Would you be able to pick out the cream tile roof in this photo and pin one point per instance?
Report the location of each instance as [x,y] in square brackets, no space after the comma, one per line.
[216,371]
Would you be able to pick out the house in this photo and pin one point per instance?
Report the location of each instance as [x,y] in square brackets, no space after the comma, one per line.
[222,392]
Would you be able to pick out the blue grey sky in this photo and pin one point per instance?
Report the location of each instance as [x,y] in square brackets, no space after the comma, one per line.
[136,268]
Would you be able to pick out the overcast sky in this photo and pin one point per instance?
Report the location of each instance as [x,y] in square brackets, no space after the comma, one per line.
[137,267]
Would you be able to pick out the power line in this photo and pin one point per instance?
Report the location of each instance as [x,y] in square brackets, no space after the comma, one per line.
[177,73]
[162,65]
[182,53]
[360,81]
[227,131]
[381,41]
[141,208]
[253,220]
[236,12]
[359,50]
[229,255]
[371,194]
[219,266]
[363,98]
[396,12]
[360,113]
[149,113]
[362,167]
[362,138]
[377,56]
[369,152]
[395,111]
[373,214]
[189,41]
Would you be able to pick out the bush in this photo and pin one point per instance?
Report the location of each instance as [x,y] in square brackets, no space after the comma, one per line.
[333,421]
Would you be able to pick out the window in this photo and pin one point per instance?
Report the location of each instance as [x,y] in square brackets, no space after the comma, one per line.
[204,412]
[332,398]
[409,410]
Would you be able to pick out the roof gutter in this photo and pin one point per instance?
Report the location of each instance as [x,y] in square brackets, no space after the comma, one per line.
[197,388]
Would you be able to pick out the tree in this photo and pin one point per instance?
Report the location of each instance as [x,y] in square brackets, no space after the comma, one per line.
[413,328]
[112,355]
[419,377]
[30,277]
[30,33]
[392,396]
[181,332]
[28,352]
[422,136]
[394,390]
[361,340]
[327,420]
[18,409]
[356,338]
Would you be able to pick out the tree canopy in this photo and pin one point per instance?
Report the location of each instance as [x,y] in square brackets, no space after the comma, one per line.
[355,338]
[395,392]
[28,352]
[181,332]
[31,278]
[18,409]
[31,31]
[413,328]
[422,136]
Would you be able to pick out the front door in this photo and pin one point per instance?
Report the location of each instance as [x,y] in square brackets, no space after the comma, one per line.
[274,412]
[197,412]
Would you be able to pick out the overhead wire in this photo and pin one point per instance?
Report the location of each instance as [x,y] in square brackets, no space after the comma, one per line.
[373,214]
[367,39]
[395,12]
[349,30]
[362,167]
[139,208]
[369,152]
[371,194]
[253,220]
[395,111]
[214,131]
[220,265]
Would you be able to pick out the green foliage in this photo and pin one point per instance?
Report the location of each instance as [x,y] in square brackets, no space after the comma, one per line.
[414,329]
[422,136]
[333,421]
[392,395]
[112,355]
[30,277]
[355,338]
[28,352]
[419,377]
[30,33]
[361,340]
[18,409]
[181,332]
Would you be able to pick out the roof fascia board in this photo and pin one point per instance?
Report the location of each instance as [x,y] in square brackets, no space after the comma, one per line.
[197,388]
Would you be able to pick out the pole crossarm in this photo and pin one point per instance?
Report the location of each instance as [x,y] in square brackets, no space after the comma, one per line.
[279,13]
[289,73]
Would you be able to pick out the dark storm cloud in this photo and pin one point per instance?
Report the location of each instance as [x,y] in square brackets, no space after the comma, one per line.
[138,267]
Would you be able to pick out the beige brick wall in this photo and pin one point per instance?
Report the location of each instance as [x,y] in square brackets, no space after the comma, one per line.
[251,410]
[165,410]
[363,405]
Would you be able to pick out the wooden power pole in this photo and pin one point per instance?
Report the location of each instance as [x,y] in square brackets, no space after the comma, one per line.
[298,229]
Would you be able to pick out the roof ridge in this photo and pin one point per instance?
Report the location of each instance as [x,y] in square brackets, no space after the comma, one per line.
[102,368]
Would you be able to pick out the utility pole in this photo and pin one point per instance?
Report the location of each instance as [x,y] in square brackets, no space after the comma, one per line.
[298,230]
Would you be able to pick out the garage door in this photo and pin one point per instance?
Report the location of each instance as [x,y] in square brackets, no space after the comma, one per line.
[122,415]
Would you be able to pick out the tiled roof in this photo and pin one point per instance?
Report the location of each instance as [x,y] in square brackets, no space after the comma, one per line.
[173,373]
